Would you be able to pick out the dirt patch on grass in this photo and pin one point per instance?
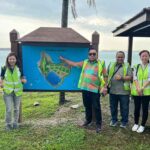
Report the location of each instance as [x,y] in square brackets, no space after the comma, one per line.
[63,115]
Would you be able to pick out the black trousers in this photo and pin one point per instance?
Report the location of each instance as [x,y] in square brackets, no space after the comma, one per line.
[92,99]
[138,102]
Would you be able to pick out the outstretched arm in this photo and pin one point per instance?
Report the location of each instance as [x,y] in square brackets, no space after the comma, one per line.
[71,63]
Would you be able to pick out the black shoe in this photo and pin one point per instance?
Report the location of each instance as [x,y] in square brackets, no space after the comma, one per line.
[86,123]
[98,128]
[8,127]
[15,126]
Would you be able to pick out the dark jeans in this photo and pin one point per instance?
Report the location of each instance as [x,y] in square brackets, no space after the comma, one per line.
[92,99]
[138,101]
[124,107]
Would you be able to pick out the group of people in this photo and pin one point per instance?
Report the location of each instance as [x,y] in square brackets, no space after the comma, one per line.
[118,80]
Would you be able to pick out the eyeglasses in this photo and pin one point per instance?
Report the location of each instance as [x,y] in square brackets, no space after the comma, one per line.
[90,54]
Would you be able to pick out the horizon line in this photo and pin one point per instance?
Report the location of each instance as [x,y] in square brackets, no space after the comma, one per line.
[7,49]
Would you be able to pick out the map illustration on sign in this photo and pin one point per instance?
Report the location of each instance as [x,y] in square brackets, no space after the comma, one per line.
[45,71]
[54,73]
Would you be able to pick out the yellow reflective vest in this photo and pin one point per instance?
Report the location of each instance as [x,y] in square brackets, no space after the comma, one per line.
[100,69]
[112,70]
[12,82]
[142,77]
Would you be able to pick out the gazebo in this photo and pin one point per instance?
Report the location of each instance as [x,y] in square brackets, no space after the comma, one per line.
[137,26]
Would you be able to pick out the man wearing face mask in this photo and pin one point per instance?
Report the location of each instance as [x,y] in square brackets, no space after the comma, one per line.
[119,77]
[91,83]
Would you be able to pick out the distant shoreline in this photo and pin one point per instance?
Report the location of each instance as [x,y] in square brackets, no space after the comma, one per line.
[4,49]
[8,49]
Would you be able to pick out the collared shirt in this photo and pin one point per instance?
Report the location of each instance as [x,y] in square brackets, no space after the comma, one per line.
[91,80]
[117,86]
[143,67]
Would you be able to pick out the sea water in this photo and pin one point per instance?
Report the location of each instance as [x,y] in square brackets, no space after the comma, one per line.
[108,56]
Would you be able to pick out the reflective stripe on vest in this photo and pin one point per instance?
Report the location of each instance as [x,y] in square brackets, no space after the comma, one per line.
[142,77]
[100,69]
[12,82]
[11,89]
[125,68]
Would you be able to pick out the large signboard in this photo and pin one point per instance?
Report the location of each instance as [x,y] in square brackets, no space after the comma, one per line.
[45,71]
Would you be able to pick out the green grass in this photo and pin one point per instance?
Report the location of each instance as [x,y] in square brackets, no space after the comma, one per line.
[48,105]
[67,135]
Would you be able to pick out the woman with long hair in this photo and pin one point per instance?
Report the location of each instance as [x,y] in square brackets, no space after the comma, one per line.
[11,81]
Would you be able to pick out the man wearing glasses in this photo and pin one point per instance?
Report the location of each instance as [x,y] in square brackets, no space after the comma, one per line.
[92,82]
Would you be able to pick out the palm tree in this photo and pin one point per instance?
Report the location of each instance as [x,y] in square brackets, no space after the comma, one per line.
[64,19]
[64,23]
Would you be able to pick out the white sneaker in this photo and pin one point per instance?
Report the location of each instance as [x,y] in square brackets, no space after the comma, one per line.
[140,129]
[135,127]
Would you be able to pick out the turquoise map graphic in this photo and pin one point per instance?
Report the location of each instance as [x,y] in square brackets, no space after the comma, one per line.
[45,71]
[54,73]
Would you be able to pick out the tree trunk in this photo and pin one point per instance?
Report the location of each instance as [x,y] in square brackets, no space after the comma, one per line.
[64,24]
[64,19]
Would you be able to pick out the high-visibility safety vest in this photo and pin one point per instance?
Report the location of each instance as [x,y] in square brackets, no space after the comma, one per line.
[112,70]
[12,82]
[142,77]
[100,69]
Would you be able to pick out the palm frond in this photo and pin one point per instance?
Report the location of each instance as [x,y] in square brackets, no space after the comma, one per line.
[73,6]
[91,3]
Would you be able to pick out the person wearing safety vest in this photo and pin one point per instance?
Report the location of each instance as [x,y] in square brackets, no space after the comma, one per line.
[119,77]
[11,81]
[141,90]
[92,82]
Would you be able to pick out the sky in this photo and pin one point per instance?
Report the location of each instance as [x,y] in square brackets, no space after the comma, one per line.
[28,15]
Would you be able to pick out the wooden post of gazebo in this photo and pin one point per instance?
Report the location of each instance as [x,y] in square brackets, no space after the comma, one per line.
[14,36]
[130,46]
[95,40]
[95,44]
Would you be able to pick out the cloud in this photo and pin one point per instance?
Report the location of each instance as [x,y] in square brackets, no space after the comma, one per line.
[107,41]
[32,8]
[96,21]
[22,25]
[27,15]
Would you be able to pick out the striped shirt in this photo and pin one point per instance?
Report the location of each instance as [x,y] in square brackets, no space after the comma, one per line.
[91,81]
